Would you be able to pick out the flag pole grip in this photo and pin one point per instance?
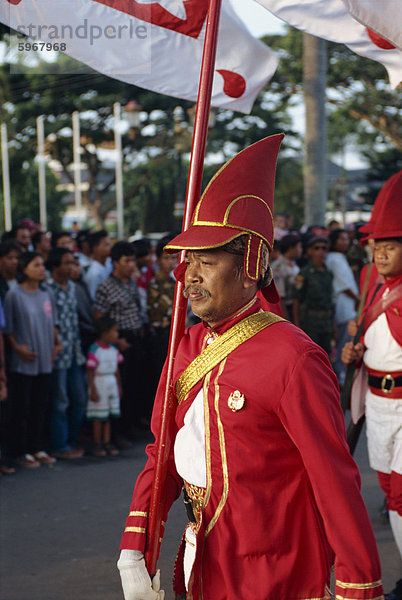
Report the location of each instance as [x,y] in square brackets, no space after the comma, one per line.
[165,435]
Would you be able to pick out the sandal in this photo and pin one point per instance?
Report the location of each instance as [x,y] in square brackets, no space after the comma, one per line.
[110,449]
[44,458]
[27,461]
[98,450]
[4,470]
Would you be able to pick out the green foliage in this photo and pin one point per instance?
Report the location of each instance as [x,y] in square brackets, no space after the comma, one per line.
[153,180]
[363,111]
[25,195]
[362,108]
[289,189]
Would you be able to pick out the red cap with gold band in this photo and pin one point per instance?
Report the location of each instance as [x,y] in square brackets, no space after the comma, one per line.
[386,216]
[238,201]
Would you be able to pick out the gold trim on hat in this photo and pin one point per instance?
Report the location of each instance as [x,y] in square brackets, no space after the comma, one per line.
[257,272]
[217,224]
[225,218]
[170,247]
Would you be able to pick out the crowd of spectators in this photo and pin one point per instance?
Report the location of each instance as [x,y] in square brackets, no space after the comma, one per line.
[317,273]
[86,327]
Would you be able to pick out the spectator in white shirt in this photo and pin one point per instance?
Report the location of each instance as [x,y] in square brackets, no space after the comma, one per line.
[345,293]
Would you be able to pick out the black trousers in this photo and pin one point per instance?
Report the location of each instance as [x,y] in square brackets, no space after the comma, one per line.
[135,377]
[29,406]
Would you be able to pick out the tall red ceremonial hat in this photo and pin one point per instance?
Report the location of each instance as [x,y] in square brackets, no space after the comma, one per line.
[386,218]
[238,201]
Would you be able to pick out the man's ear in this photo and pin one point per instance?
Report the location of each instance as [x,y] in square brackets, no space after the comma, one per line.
[248,283]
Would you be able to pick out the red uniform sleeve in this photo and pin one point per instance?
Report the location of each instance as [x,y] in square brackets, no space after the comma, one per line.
[134,536]
[310,411]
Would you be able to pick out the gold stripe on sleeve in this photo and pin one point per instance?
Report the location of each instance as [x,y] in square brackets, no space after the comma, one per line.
[134,530]
[359,586]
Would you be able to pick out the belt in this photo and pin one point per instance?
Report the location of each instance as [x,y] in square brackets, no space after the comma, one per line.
[385,384]
[193,497]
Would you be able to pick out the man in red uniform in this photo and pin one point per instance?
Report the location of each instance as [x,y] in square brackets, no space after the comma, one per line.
[260,443]
[381,351]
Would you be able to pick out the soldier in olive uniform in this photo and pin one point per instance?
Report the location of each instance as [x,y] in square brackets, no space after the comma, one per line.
[312,295]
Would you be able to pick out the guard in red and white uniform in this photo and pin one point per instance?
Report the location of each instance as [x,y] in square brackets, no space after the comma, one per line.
[381,351]
[259,440]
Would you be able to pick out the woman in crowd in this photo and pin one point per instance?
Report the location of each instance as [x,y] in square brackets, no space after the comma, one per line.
[30,325]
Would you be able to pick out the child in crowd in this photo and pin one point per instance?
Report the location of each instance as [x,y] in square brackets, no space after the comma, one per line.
[104,385]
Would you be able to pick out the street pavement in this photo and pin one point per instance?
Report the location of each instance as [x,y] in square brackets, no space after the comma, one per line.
[61,528]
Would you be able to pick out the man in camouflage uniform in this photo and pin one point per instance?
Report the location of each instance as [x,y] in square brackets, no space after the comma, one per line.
[312,295]
[160,296]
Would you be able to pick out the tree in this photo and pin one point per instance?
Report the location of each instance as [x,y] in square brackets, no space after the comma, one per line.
[360,102]
[151,155]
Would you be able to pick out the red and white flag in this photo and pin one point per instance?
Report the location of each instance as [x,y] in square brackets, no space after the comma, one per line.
[331,20]
[154,44]
[384,17]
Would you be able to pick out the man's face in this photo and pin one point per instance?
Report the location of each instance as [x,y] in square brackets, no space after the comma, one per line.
[296,251]
[44,244]
[280,221]
[66,266]
[65,241]
[76,270]
[124,267]
[317,253]
[146,261]
[9,264]
[214,285]
[342,243]
[23,237]
[167,262]
[102,250]
[388,257]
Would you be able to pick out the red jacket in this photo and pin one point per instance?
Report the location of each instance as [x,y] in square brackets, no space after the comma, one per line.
[283,501]
[393,312]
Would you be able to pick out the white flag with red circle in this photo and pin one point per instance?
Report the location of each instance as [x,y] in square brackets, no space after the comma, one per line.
[153,44]
[384,17]
[331,20]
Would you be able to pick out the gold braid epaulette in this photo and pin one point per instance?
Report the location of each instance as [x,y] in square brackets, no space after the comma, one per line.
[214,353]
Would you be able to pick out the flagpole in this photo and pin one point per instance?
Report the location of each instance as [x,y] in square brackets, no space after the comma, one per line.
[77,161]
[119,171]
[42,172]
[165,437]
[6,179]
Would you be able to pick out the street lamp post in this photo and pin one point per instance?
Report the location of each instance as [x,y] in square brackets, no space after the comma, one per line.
[42,172]
[6,178]
[178,119]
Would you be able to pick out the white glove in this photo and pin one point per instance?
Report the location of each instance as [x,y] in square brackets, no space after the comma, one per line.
[135,578]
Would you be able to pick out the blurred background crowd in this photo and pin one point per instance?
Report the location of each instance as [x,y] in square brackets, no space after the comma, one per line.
[85,326]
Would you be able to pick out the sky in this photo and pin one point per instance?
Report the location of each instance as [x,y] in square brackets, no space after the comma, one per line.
[261,22]
[258,19]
